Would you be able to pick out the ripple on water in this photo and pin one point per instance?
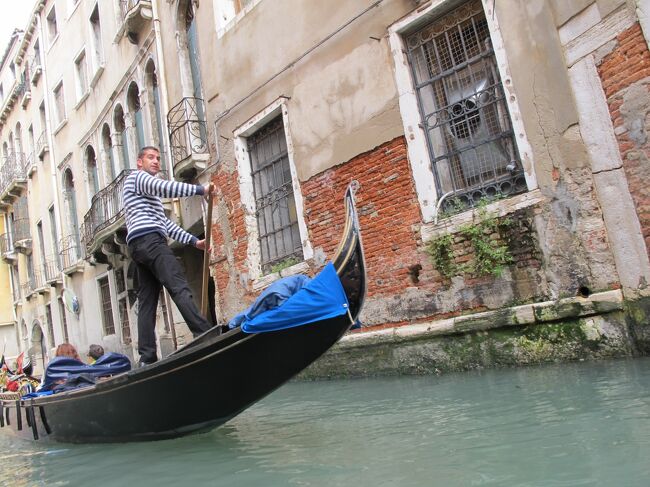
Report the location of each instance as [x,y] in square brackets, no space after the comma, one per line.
[560,425]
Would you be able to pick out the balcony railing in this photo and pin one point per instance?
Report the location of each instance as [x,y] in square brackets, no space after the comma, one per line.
[188,135]
[106,211]
[127,5]
[13,176]
[22,235]
[38,280]
[51,268]
[42,145]
[30,164]
[7,249]
[26,288]
[136,14]
[24,91]
[70,254]
[35,69]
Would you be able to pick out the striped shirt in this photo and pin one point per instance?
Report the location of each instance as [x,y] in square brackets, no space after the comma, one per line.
[144,209]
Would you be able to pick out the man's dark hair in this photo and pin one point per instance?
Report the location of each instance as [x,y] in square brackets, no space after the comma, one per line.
[95,351]
[146,148]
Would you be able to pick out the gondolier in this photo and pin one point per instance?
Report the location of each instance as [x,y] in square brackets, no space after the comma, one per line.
[262,354]
[147,231]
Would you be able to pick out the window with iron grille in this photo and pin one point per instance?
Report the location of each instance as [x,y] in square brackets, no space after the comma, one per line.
[106,306]
[277,219]
[463,109]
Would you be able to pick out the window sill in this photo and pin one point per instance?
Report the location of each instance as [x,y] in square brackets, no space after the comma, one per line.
[52,42]
[265,281]
[500,208]
[82,99]
[234,20]
[58,128]
[74,9]
[97,75]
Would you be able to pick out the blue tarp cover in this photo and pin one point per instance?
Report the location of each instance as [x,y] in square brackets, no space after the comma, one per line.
[60,369]
[272,297]
[321,298]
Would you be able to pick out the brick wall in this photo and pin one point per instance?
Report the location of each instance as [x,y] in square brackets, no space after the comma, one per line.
[388,211]
[396,259]
[625,76]
[229,238]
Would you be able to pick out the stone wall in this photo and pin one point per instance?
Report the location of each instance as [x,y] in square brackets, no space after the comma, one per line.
[581,328]
[404,285]
[568,239]
[625,75]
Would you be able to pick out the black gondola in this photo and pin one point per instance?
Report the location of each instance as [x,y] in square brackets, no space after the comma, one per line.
[200,386]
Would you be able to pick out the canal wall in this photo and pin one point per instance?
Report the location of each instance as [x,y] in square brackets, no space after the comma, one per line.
[599,326]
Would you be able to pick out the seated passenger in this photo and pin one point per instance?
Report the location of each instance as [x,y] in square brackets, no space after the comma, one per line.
[67,367]
[67,350]
[94,352]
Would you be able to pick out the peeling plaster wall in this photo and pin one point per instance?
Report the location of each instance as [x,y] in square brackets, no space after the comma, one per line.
[604,56]
[344,118]
[343,99]
[571,228]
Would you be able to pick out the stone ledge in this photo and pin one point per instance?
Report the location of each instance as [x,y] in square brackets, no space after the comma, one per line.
[602,326]
[528,314]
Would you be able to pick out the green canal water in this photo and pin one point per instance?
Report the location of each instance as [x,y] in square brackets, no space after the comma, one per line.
[584,424]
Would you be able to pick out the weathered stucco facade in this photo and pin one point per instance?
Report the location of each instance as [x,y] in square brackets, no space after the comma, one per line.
[501,150]
[350,111]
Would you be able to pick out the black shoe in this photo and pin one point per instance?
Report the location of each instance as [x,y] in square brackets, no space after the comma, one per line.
[142,363]
[196,334]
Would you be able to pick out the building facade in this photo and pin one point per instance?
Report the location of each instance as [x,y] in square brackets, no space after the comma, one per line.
[500,149]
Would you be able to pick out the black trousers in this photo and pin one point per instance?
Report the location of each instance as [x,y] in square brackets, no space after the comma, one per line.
[157,266]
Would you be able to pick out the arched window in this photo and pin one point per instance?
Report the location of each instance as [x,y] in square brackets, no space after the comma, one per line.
[120,130]
[30,140]
[91,168]
[19,140]
[192,49]
[37,351]
[156,110]
[70,199]
[135,107]
[107,144]
[12,147]
[190,72]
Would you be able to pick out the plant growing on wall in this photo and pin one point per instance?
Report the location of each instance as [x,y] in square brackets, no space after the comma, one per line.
[491,254]
[283,264]
[441,250]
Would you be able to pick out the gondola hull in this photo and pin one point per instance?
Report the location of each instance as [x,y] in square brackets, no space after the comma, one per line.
[198,387]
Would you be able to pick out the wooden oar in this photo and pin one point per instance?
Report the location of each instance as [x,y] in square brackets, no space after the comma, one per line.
[206,260]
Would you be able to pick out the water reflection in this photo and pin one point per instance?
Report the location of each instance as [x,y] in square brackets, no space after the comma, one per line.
[575,424]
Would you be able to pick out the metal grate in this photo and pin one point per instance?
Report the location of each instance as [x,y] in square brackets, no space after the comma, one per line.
[275,205]
[187,129]
[70,253]
[463,110]
[106,208]
[107,309]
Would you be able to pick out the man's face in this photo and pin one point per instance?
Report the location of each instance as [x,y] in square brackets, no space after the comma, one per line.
[150,162]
